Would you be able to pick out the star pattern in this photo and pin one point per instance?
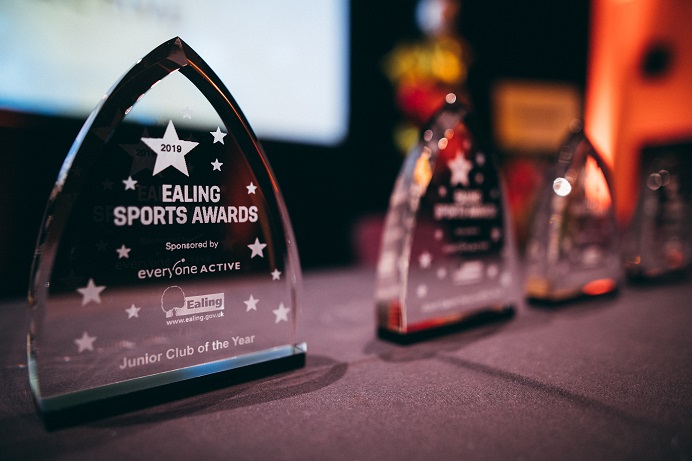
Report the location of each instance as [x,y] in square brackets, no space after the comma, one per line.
[460,168]
[251,304]
[157,155]
[123,252]
[425,259]
[257,248]
[218,135]
[71,279]
[170,150]
[130,183]
[91,292]
[85,343]
[422,291]
[281,313]
[492,271]
[132,311]
[143,158]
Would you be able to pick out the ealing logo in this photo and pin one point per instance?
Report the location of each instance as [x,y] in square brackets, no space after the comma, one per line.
[175,303]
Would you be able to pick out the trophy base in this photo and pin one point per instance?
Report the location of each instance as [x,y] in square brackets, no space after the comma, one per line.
[540,291]
[94,404]
[640,275]
[439,327]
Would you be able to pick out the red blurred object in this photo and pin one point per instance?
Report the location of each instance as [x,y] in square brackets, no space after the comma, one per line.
[522,177]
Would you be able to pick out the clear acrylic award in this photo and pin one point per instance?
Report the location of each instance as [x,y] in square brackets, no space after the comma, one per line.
[573,249]
[447,256]
[657,244]
[166,252]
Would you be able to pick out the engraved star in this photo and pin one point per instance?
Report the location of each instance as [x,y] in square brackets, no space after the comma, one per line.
[425,259]
[123,252]
[71,279]
[216,164]
[422,291]
[143,158]
[492,271]
[130,183]
[281,313]
[276,275]
[460,167]
[257,248]
[218,135]
[107,184]
[101,245]
[187,113]
[251,188]
[91,292]
[85,343]
[132,311]
[170,150]
[251,304]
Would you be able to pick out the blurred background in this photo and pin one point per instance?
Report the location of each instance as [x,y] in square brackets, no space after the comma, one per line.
[333,89]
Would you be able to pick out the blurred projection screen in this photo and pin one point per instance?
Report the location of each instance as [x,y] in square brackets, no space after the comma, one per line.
[286,63]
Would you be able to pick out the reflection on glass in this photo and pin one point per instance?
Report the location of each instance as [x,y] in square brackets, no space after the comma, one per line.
[447,250]
[657,243]
[573,249]
[166,253]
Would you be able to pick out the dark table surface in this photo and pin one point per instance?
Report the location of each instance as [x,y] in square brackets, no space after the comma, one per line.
[599,379]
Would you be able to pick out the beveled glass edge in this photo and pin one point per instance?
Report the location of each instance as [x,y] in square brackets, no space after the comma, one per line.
[165,59]
[459,109]
[64,401]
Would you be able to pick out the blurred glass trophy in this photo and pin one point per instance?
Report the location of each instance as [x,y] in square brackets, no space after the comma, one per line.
[166,252]
[657,244]
[573,249]
[447,254]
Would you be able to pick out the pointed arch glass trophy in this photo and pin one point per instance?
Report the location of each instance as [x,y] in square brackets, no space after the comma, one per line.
[657,244]
[447,254]
[573,250]
[166,251]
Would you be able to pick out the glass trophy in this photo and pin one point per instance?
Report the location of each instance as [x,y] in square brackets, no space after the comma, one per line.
[573,249]
[447,256]
[657,244]
[166,252]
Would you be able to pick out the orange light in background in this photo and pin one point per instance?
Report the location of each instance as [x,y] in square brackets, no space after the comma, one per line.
[596,187]
[628,104]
